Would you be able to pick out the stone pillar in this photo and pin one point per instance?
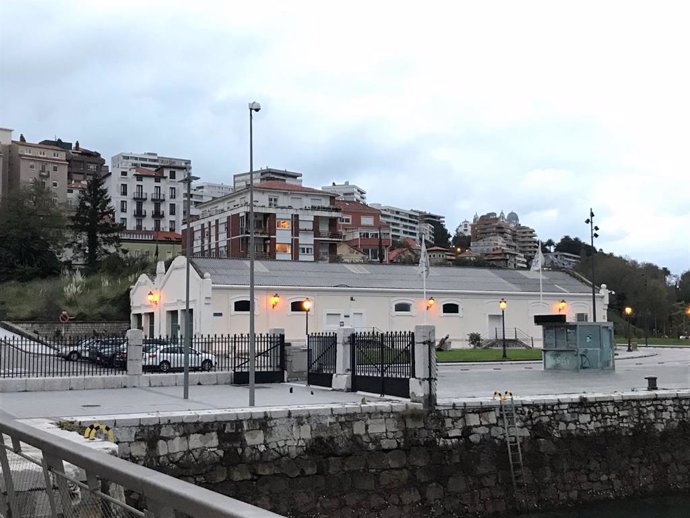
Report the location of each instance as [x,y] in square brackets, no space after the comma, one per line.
[135,339]
[342,379]
[281,331]
[422,386]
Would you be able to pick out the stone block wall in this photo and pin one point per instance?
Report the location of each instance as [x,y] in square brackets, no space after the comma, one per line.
[72,329]
[395,459]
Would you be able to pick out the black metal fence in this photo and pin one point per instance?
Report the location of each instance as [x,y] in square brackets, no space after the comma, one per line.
[269,365]
[321,357]
[382,362]
[22,357]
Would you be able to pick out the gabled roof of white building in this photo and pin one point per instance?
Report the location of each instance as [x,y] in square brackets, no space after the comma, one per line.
[235,272]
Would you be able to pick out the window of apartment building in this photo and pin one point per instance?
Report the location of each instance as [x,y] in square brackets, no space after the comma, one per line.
[123,173]
[123,206]
[27,151]
[55,154]
[32,165]
[55,184]
[140,224]
[55,168]
[42,153]
[156,224]
[316,202]
[273,201]
[283,223]
[306,250]
[123,189]
[92,167]
[173,193]
[283,248]
[306,224]
[171,208]
[367,220]
[43,168]
[171,225]
[70,191]
[157,180]
[346,219]
[123,222]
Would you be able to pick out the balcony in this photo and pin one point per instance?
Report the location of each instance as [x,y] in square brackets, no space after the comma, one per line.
[157,196]
[139,196]
[139,213]
[330,236]
[158,214]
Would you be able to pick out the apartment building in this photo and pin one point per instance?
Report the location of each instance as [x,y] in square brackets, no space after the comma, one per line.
[148,160]
[27,162]
[267,174]
[291,222]
[203,192]
[347,191]
[363,229]
[502,240]
[405,224]
[147,199]
[5,143]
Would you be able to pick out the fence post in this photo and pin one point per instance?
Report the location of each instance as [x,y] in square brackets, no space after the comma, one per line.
[422,386]
[342,379]
[135,339]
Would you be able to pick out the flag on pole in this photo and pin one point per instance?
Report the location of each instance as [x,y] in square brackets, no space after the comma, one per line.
[538,261]
[423,268]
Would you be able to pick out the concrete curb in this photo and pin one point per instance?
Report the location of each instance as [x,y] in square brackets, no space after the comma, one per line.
[111,382]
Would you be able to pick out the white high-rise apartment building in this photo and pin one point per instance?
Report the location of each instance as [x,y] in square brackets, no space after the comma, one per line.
[146,191]
[346,191]
[405,223]
[206,191]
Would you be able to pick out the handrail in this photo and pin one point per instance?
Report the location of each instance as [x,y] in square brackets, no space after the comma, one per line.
[167,492]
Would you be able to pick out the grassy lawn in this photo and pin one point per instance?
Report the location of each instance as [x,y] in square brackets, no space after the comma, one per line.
[653,341]
[487,355]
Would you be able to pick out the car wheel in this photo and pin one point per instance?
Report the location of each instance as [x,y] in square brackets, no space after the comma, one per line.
[164,366]
[206,365]
[73,356]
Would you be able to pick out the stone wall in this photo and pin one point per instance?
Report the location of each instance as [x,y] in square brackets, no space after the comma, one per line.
[72,329]
[396,459]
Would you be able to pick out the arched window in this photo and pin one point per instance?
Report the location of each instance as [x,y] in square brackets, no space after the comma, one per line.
[402,307]
[451,308]
[297,305]
[241,306]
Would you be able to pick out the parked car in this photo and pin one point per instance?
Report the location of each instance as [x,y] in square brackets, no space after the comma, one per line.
[106,355]
[83,348]
[169,357]
[104,346]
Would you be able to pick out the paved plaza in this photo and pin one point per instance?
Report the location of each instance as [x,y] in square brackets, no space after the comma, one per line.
[456,382]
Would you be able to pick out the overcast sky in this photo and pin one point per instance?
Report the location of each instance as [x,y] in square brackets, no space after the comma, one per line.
[543,108]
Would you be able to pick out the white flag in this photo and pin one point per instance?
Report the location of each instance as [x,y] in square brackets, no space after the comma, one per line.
[538,261]
[423,268]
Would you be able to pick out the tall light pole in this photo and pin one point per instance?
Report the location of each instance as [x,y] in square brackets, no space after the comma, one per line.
[253,107]
[189,243]
[593,229]
[306,304]
[503,304]
[628,311]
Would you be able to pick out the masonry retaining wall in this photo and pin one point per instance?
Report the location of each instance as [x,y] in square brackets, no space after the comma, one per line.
[394,459]
[70,329]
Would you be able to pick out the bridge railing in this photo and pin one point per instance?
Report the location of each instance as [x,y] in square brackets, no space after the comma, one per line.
[45,475]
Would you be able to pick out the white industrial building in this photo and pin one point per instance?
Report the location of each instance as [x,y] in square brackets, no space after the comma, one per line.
[366,297]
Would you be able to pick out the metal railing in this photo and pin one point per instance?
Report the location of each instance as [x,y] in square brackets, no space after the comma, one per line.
[38,479]
[22,357]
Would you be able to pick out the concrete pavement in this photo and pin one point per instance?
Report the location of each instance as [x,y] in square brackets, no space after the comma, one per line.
[456,382]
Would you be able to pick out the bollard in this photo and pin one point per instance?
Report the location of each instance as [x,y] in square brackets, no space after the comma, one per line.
[651,383]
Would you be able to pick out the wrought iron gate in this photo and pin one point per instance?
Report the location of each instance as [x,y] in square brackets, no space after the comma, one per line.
[321,354]
[269,355]
[382,362]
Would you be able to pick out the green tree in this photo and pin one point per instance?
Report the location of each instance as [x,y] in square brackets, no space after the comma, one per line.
[684,287]
[441,234]
[95,231]
[32,233]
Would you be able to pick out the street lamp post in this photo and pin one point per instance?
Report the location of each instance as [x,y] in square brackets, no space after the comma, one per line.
[502,304]
[593,229]
[306,304]
[628,311]
[253,107]
[189,242]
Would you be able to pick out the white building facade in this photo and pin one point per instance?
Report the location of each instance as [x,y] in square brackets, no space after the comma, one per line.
[405,224]
[346,191]
[366,297]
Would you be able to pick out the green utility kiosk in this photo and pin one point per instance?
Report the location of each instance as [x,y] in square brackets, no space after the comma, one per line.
[575,346]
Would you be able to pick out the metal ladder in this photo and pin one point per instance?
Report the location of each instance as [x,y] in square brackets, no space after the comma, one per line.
[517,473]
